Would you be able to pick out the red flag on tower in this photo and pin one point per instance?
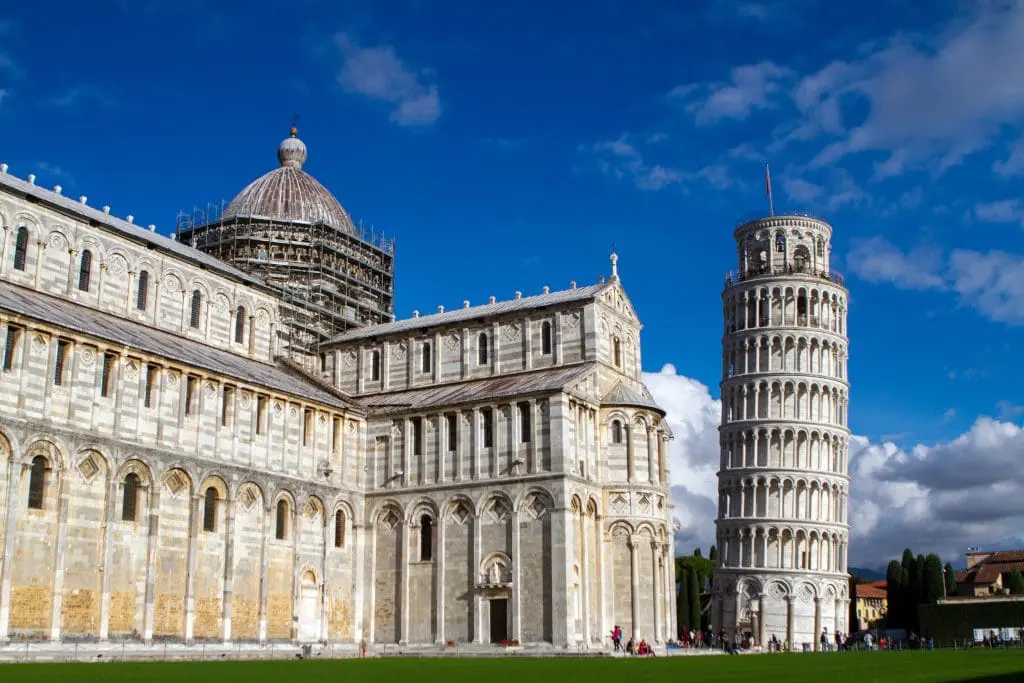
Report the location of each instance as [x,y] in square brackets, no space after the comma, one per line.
[768,189]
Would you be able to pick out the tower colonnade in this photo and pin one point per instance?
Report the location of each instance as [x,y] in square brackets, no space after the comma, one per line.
[782,525]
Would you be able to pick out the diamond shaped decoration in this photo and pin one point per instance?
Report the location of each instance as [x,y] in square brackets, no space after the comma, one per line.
[248,497]
[460,514]
[537,506]
[88,467]
[390,520]
[499,511]
[176,482]
[312,509]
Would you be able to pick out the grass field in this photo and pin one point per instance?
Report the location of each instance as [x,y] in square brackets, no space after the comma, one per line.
[981,666]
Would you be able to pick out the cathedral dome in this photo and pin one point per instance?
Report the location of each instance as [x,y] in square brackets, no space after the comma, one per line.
[290,194]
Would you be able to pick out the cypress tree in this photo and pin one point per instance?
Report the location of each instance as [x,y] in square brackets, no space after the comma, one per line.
[949,576]
[696,552]
[919,568]
[713,554]
[682,599]
[694,599]
[852,622]
[894,589]
[908,605]
[933,583]
[1016,583]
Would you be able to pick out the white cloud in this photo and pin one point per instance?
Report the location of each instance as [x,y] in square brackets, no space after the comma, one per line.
[751,87]
[378,73]
[877,260]
[800,190]
[992,282]
[930,102]
[1003,211]
[621,160]
[935,498]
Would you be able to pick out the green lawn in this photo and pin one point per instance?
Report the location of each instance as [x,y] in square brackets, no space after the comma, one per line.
[982,666]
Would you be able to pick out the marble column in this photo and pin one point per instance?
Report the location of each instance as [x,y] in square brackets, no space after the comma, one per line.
[403,633]
[108,543]
[634,576]
[439,553]
[195,520]
[817,624]
[265,571]
[151,552]
[656,636]
[229,568]
[789,623]
[517,558]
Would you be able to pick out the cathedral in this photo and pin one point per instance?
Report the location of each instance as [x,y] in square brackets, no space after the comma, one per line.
[224,435]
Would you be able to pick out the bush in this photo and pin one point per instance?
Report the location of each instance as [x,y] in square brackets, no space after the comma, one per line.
[958,620]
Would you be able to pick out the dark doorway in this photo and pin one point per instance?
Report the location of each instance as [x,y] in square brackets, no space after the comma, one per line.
[499,620]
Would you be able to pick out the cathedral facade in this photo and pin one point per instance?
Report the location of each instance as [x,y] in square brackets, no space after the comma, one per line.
[192,451]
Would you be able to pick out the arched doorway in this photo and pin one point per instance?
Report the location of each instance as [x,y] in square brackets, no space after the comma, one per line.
[308,607]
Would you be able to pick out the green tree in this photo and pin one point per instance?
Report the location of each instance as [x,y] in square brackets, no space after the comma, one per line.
[949,576]
[933,583]
[1016,583]
[696,552]
[895,587]
[693,598]
[682,599]
[908,605]
[713,554]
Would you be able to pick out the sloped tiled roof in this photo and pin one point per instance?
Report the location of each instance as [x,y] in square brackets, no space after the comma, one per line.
[100,325]
[132,231]
[988,570]
[622,395]
[463,314]
[869,592]
[489,389]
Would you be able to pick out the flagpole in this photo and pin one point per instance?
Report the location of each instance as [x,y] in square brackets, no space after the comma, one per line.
[768,189]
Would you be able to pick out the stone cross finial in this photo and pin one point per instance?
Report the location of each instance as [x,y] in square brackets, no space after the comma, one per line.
[615,265]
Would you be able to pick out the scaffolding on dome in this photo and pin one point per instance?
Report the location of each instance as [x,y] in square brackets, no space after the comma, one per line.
[329,281]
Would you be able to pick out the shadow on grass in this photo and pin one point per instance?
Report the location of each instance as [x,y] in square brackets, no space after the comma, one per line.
[994,678]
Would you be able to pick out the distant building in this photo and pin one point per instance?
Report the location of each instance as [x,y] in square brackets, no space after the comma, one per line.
[988,573]
[872,604]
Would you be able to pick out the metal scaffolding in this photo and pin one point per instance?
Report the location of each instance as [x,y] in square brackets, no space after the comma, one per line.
[329,280]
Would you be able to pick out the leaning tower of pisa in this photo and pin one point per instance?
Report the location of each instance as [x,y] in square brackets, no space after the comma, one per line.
[782,527]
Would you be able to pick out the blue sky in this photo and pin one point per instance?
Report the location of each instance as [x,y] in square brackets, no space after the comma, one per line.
[507,146]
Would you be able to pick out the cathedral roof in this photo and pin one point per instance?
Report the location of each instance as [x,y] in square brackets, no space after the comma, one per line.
[622,395]
[471,391]
[87,214]
[473,312]
[289,194]
[97,324]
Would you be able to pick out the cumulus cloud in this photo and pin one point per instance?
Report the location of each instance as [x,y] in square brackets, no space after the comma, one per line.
[378,73]
[1014,164]
[750,88]
[937,498]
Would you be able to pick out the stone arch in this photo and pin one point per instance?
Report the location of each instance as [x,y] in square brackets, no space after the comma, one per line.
[534,494]
[422,506]
[458,507]
[620,527]
[308,575]
[50,448]
[218,483]
[498,504]
[496,568]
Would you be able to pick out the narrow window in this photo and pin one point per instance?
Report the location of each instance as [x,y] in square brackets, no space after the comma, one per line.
[488,427]
[282,520]
[525,428]
[210,510]
[616,431]
[240,324]
[130,497]
[261,414]
[20,248]
[58,366]
[417,436]
[375,366]
[336,435]
[617,350]
[426,357]
[452,431]
[426,538]
[227,399]
[190,395]
[142,293]
[107,377]
[339,529]
[307,426]
[13,333]
[545,338]
[197,307]
[780,242]
[85,271]
[481,349]
[37,483]
[820,247]
[151,371]
[323,362]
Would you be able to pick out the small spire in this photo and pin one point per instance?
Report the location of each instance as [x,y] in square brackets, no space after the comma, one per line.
[615,264]
[295,126]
